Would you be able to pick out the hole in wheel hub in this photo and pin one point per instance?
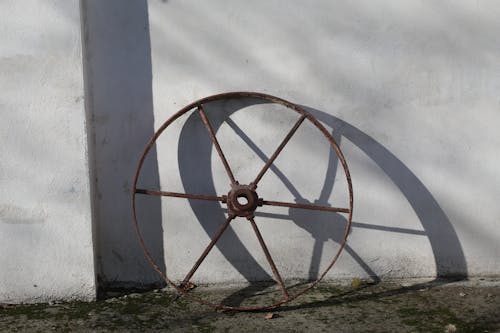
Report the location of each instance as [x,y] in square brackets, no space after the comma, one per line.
[242,200]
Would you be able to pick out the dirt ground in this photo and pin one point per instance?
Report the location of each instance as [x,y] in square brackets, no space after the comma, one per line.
[436,306]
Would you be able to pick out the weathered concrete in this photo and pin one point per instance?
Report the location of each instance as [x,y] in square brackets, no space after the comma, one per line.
[46,249]
[331,308]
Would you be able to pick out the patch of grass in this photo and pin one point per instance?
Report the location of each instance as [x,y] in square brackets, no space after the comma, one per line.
[329,290]
[131,308]
[435,319]
[31,311]
[205,327]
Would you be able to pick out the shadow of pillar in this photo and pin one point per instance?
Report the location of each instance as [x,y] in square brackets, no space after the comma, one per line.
[120,112]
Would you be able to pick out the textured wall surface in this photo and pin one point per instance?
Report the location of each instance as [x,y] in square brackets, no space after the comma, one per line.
[46,249]
[410,90]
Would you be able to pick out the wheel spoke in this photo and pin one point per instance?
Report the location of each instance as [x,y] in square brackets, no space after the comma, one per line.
[263,157]
[269,258]
[210,130]
[305,206]
[207,250]
[180,195]
[278,150]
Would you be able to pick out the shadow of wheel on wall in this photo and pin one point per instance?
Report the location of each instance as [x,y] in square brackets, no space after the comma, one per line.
[444,242]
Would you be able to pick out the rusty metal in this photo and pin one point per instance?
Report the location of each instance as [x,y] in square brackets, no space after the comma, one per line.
[245,209]
[304,206]
[247,192]
[278,151]
[182,195]
[207,250]
[216,144]
[277,275]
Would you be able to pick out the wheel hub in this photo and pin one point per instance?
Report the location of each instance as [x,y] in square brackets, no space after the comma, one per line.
[242,200]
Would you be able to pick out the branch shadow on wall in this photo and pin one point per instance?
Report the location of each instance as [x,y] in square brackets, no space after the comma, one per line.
[196,174]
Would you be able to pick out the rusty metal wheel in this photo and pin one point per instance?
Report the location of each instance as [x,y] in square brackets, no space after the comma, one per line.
[246,208]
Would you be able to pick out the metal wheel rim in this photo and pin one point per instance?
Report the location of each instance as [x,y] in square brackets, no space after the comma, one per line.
[228,96]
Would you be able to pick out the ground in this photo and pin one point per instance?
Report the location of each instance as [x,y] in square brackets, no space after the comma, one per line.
[436,306]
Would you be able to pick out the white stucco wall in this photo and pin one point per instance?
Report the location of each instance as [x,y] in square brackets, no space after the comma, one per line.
[46,249]
[411,91]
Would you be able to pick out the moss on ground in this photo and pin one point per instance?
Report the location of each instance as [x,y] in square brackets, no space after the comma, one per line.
[368,308]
